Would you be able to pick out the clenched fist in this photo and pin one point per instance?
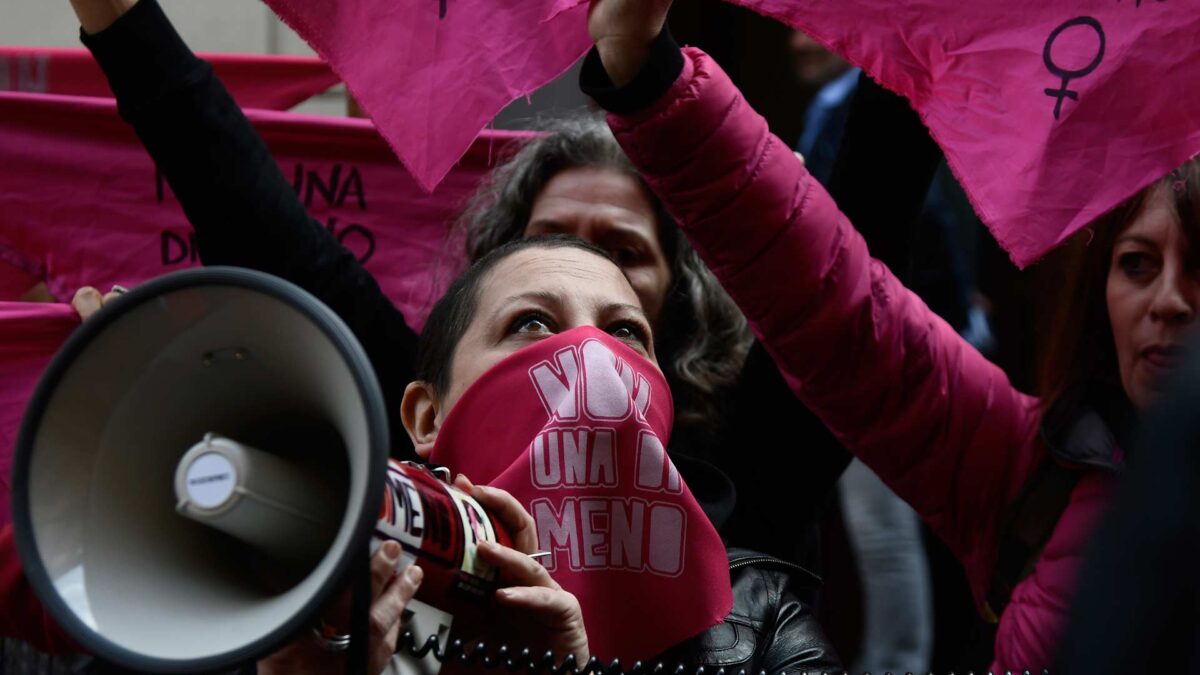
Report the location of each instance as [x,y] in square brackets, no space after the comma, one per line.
[623,31]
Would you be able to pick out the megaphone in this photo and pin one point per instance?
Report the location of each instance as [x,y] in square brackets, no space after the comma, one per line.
[158,435]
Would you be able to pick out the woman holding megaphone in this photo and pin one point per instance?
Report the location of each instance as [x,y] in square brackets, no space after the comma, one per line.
[538,376]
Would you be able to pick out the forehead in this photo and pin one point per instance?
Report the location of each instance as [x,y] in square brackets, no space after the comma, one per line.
[571,274]
[594,191]
[1158,219]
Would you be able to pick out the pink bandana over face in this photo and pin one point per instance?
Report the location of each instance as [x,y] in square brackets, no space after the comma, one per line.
[576,427]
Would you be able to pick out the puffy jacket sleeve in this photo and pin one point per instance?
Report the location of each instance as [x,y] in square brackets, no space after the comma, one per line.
[939,423]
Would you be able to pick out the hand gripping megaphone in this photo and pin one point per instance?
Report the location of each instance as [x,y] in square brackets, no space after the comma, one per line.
[200,468]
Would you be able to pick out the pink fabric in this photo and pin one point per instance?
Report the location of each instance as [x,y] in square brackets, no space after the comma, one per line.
[433,73]
[256,81]
[23,616]
[940,424]
[580,440]
[1038,165]
[83,205]
[30,334]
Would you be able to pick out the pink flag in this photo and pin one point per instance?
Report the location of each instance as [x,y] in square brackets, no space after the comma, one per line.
[433,73]
[1049,113]
[256,81]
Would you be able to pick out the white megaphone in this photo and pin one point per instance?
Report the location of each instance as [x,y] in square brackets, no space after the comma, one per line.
[132,507]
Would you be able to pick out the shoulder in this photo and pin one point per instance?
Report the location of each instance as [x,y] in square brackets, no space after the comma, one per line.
[761,582]
[771,626]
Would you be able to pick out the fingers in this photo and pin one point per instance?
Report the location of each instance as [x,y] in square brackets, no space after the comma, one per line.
[383,566]
[547,602]
[515,568]
[463,483]
[387,612]
[555,611]
[87,301]
[508,511]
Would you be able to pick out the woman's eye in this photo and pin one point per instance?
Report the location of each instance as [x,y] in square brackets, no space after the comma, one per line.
[629,332]
[625,256]
[530,323]
[1136,265]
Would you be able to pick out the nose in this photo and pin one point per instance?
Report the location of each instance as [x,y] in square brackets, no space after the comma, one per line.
[1175,298]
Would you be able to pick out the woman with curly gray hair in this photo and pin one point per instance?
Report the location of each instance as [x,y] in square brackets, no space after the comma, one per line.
[576,180]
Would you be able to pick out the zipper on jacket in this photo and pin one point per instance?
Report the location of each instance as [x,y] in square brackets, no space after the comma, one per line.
[770,562]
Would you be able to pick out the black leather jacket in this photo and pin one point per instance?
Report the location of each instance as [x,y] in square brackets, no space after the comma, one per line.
[771,628]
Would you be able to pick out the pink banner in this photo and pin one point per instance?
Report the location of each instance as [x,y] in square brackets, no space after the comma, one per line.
[83,205]
[433,73]
[30,333]
[1049,113]
[256,81]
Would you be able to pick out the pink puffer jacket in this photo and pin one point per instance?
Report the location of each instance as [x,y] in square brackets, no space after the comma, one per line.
[938,422]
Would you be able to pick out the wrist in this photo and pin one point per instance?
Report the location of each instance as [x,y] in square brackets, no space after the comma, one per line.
[623,58]
[96,15]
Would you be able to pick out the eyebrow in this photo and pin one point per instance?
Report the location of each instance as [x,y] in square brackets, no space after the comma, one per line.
[550,298]
[540,296]
[616,228]
[1137,238]
[626,306]
[547,223]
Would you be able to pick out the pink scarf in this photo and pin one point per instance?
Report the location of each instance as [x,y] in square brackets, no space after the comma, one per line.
[576,427]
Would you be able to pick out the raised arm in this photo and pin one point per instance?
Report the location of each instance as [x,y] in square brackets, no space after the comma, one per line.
[235,196]
[896,384]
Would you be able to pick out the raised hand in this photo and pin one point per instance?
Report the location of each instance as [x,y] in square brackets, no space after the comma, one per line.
[623,31]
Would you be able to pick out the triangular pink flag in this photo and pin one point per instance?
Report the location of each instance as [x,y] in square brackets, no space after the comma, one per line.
[433,73]
[1049,113]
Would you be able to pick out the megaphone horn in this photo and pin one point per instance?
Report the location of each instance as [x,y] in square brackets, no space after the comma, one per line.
[200,411]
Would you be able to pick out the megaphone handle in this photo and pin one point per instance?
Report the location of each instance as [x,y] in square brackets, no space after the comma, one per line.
[360,613]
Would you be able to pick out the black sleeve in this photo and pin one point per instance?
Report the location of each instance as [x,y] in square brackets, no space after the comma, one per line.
[882,173]
[242,208]
[662,67]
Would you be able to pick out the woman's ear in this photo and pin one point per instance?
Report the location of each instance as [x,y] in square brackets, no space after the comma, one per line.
[419,412]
